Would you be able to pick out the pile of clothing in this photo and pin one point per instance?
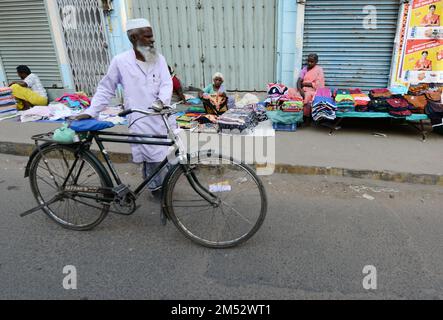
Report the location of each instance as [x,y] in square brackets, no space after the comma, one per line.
[344,100]
[379,100]
[260,110]
[241,120]
[399,107]
[6,97]
[8,107]
[55,111]
[324,107]
[76,101]
[189,119]
[361,100]
[279,94]
[186,122]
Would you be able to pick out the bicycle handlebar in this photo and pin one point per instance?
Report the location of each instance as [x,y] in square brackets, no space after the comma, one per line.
[166,110]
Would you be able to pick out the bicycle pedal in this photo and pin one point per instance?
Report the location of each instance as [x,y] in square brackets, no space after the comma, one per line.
[121,191]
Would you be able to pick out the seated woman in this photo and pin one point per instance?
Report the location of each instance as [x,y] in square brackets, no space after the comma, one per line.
[311,78]
[214,96]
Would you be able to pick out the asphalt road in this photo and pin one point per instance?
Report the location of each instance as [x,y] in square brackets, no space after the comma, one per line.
[319,235]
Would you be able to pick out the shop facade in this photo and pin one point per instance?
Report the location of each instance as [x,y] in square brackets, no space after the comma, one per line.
[70,43]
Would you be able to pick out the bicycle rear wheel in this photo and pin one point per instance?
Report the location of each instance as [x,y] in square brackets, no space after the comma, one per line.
[215,201]
[49,170]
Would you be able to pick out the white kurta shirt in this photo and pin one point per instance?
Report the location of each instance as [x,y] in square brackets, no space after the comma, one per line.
[142,87]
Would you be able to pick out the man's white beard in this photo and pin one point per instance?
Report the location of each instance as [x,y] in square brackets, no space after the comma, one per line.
[149,53]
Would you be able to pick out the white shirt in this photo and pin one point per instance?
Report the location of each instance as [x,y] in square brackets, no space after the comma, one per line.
[35,85]
[141,88]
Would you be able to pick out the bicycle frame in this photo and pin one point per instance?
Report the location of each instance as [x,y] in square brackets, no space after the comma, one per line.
[112,137]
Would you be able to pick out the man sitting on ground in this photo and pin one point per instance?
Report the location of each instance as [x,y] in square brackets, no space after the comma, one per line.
[29,92]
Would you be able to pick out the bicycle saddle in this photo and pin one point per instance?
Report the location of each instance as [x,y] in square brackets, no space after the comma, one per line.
[90,125]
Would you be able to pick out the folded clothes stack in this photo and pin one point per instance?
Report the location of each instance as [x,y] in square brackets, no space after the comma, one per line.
[344,101]
[260,110]
[361,102]
[186,122]
[244,119]
[324,107]
[7,112]
[399,107]
[379,99]
[6,97]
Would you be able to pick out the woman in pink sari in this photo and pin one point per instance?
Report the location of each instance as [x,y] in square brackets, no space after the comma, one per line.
[311,79]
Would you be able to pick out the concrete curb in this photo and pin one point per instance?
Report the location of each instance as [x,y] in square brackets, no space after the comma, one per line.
[24,149]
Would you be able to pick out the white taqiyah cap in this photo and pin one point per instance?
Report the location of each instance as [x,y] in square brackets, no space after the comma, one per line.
[137,24]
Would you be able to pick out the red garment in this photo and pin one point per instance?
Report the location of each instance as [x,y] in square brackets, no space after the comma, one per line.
[176,83]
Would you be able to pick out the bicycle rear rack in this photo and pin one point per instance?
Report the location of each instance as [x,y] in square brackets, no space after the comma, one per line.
[43,137]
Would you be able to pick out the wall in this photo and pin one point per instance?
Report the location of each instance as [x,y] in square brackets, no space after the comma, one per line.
[116,24]
[287,46]
[59,43]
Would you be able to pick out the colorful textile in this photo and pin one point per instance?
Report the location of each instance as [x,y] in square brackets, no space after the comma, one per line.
[292,106]
[380,93]
[196,110]
[345,102]
[361,99]
[75,101]
[277,89]
[323,106]
[238,119]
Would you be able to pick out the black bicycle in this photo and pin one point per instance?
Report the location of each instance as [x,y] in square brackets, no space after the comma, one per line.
[213,200]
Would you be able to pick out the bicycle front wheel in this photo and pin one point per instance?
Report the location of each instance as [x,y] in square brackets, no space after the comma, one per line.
[215,201]
[50,184]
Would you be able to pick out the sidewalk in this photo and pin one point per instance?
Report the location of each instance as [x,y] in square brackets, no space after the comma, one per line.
[353,151]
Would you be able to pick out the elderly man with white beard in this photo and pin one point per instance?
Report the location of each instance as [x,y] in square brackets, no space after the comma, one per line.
[145,78]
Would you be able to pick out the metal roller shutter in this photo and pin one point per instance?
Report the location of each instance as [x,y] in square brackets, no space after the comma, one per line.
[25,38]
[201,37]
[351,55]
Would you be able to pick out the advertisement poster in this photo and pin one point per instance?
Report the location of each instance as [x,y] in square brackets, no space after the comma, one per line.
[423,61]
[421,52]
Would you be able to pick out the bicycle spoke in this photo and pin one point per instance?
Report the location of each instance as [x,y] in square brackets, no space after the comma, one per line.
[238,213]
[42,179]
[227,221]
